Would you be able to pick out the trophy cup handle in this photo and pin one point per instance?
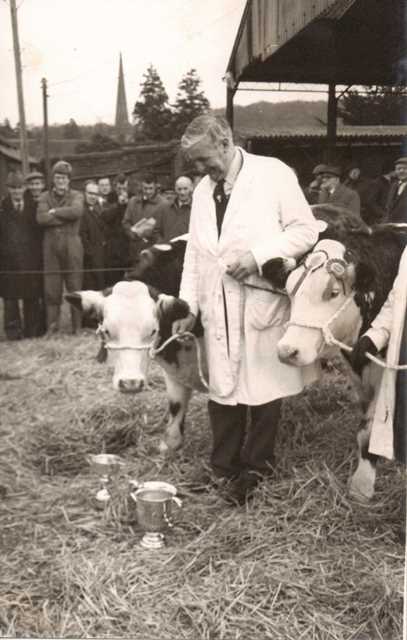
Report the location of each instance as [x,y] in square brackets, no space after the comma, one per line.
[134,485]
[177,501]
[168,518]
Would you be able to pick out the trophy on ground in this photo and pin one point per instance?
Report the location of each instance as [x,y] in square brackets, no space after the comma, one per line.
[154,500]
[106,466]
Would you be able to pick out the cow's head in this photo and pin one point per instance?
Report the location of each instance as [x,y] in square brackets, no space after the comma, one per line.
[322,292]
[160,266]
[130,316]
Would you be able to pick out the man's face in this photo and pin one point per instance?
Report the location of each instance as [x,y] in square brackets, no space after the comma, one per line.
[61,182]
[401,172]
[354,174]
[183,189]
[329,182]
[104,186]
[16,193]
[211,158]
[149,190]
[91,194]
[36,186]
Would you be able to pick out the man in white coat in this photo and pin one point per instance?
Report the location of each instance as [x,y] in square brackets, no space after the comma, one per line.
[389,328]
[246,210]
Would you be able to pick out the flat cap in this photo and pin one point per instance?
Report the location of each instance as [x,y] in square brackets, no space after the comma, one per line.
[62,167]
[34,175]
[15,180]
[330,170]
[318,169]
[401,160]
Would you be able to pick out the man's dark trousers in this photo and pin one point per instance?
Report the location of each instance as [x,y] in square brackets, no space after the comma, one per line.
[234,450]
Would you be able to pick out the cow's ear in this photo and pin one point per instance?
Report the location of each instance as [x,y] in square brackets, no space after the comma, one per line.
[154,293]
[87,301]
[277,270]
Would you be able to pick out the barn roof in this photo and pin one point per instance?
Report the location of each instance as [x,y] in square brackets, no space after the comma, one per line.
[379,133]
[321,41]
[14,154]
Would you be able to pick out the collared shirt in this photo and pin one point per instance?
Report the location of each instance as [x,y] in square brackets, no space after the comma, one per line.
[233,172]
[18,206]
[401,187]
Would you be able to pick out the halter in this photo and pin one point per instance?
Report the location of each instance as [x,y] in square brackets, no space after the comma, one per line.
[335,267]
[110,346]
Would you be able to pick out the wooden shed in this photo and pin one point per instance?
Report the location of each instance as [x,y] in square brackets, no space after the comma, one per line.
[329,42]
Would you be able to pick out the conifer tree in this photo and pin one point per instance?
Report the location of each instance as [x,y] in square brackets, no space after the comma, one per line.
[190,102]
[152,114]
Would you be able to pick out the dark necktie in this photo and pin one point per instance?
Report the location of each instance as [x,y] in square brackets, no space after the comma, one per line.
[221,202]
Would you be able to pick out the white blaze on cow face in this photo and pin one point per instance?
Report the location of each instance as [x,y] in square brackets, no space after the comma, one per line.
[129,326]
[319,297]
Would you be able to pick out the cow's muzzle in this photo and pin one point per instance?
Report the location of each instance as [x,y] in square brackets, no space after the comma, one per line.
[130,385]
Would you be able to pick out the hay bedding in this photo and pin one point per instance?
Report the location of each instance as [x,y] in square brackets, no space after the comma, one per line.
[301,561]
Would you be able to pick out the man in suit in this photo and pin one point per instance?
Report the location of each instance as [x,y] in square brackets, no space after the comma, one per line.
[332,191]
[246,210]
[396,209]
[93,233]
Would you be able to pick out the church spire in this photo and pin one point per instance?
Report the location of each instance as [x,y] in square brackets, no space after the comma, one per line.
[122,116]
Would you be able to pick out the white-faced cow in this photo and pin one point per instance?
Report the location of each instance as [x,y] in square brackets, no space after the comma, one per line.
[135,321]
[336,291]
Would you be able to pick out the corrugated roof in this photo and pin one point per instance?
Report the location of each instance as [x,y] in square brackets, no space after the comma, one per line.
[337,10]
[318,132]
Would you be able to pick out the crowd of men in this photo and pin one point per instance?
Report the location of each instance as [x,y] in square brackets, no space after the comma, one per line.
[376,200]
[62,237]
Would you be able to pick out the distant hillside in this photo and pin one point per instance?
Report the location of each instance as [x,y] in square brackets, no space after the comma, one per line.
[261,117]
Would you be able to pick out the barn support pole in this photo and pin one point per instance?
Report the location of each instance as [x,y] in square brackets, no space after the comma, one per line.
[331,127]
[45,132]
[229,105]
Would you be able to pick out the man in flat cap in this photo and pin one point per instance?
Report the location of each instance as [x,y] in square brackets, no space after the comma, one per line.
[396,209]
[59,212]
[35,182]
[334,192]
[20,251]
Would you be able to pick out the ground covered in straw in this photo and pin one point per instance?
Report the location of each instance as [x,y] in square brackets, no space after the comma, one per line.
[301,561]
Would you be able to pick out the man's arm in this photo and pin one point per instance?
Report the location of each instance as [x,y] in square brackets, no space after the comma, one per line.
[128,220]
[45,214]
[72,211]
[299,227]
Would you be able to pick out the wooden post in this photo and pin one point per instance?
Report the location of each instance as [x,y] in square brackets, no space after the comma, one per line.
[45,131]
[20,95]
[229,106]
[331,127]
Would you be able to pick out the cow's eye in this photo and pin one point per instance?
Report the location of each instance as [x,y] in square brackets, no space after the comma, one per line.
[334,294]
[154,331]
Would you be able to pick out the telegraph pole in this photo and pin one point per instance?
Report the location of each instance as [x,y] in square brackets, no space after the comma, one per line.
[45,129]
[20,96]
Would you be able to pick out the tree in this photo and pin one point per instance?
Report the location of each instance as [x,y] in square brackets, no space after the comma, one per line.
[190,102]
[71,130]
[152,114]
[377,105]
[6,129]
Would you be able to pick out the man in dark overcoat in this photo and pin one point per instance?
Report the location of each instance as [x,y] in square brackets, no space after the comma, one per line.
[113,209]
[396,209]
[59,212]
[93,232]
[332,191]
[20,251]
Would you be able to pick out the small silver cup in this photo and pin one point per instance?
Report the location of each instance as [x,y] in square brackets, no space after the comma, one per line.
[106,466]
[154,501]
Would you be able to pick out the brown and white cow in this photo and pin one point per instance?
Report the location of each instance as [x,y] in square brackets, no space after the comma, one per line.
[335,293]
[134,322]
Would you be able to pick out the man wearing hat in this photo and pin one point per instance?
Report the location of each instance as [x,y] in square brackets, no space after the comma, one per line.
[20,251]
[312,192]
[396,208]
[334,192]
[35,182]
[59,212]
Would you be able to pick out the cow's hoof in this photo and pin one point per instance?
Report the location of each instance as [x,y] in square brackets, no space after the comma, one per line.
[362,492]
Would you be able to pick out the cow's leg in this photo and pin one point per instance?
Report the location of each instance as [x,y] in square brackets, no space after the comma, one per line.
[363,480]
[178,398]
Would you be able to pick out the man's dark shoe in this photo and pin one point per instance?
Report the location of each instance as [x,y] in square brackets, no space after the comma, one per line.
[241,490]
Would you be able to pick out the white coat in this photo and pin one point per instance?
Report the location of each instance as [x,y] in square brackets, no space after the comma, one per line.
[387,328]
[268,215]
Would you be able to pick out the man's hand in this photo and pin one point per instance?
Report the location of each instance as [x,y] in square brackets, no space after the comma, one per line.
[144,227]
[358,357]
[184,324]
[51,212]
[243,267]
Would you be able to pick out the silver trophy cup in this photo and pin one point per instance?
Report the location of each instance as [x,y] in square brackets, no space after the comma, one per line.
[154,501]
[106,466]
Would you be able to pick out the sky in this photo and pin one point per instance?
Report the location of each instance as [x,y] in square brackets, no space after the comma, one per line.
[75,45]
